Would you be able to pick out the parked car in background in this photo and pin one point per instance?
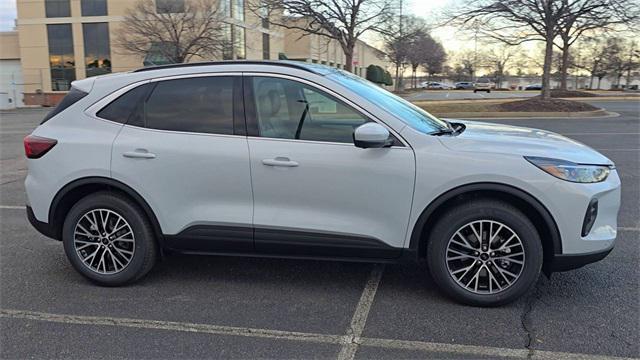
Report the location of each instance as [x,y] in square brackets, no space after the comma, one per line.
[463,85]
[483,85]
[290,159]
[533,87]
[434,85]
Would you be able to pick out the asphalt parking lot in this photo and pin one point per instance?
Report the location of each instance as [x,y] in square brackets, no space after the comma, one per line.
[203,307]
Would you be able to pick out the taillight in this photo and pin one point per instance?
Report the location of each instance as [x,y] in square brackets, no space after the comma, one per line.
[36,146]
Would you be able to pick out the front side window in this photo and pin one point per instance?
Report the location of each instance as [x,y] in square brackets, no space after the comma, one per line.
[97,52]
[57,8]
[61,56]
[200,104]
[94,7]
[288,109]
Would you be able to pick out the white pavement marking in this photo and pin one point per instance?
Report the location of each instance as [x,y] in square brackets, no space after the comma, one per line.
[171,325]
[622,228]
[429,347]
[359,319]
[492,352]
[12,207]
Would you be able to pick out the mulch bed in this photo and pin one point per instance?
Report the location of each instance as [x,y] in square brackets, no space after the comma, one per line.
[570,94]
[536,104]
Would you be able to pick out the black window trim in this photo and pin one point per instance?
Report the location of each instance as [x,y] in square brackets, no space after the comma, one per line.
[251,111]
[239,123]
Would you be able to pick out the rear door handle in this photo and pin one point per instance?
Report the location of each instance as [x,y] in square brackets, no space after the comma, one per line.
[139,154]
[280,161]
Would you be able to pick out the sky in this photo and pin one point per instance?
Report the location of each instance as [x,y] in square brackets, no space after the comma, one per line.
[7,14]
[424,8]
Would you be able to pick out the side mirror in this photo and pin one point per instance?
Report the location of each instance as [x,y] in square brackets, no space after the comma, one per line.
[371,135]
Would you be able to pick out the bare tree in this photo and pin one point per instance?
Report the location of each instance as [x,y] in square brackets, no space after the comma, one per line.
[584,16]
[177,33]
[593,60]
[399,42]
[497,60]
[514,22]
[343,20]
[434,55]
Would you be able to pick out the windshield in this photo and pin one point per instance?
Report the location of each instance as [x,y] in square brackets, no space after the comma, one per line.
[412,115]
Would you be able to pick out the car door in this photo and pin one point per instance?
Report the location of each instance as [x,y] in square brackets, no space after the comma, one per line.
[315,193]
[181,151]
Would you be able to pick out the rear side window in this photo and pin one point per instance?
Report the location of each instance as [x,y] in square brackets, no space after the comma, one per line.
[201,104]
[71,98]
[128,108]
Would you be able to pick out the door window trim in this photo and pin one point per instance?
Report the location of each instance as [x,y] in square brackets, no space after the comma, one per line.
[251,112]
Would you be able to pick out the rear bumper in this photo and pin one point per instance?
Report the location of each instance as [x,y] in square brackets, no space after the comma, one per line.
[42,227]
[566,262]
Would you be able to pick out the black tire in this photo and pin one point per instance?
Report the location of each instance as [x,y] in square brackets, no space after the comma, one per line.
[475,210]
[475,91]
[145,247]
[488,91]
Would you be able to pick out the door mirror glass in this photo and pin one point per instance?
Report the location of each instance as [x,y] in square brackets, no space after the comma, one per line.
[371,135]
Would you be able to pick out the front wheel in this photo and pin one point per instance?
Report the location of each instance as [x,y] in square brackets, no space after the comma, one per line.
[108,239]
[485,253]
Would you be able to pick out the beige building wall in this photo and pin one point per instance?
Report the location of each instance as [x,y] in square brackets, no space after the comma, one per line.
[34,49]
[303,46]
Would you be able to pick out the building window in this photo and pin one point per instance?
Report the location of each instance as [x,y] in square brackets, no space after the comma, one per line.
[57,8]
[239,42]
[94,7]
[169,6]
[61,57]
[234,46]
[266,46]
[238,10]
[227,47]
[97,53]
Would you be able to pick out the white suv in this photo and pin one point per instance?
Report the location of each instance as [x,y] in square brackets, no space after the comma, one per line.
[299,160]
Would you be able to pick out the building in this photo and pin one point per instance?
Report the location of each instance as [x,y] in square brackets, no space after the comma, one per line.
[10,71]
[64,40]
[303,46]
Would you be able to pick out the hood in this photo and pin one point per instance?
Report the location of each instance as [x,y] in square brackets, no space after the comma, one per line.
[506,139]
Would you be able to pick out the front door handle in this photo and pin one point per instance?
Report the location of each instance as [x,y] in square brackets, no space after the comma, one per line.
[139,154]
[280,161]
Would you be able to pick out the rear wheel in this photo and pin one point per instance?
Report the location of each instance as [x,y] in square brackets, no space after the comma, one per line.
[485,253]
[109,240]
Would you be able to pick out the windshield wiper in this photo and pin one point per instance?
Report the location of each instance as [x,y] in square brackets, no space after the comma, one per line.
[443,131]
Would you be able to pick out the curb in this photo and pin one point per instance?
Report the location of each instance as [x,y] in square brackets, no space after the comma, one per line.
[595,114]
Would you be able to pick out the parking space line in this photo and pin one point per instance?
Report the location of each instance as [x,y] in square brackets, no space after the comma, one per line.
[428,347]
[12,207]
[622,228]
[359,320]
[172,325]
[474,350]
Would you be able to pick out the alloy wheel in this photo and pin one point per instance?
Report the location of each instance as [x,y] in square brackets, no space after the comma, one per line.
[104,241]
[485,257]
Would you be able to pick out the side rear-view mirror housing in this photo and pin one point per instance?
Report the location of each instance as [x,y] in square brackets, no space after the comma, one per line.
[372,135]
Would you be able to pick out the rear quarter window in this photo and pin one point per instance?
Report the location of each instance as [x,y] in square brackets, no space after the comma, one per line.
[71,98]
[128,107]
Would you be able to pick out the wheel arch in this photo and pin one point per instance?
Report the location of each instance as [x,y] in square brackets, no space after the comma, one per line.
[527,203]
[78,189]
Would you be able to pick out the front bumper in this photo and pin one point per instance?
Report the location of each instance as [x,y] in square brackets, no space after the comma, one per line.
[566,262]
[42,227]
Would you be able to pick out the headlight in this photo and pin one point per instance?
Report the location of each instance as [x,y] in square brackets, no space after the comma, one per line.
[569,171]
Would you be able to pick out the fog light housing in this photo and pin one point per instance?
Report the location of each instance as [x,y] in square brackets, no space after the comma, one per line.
[590,217]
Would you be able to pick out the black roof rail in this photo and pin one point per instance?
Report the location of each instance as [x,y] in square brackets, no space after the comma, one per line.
[291,64]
